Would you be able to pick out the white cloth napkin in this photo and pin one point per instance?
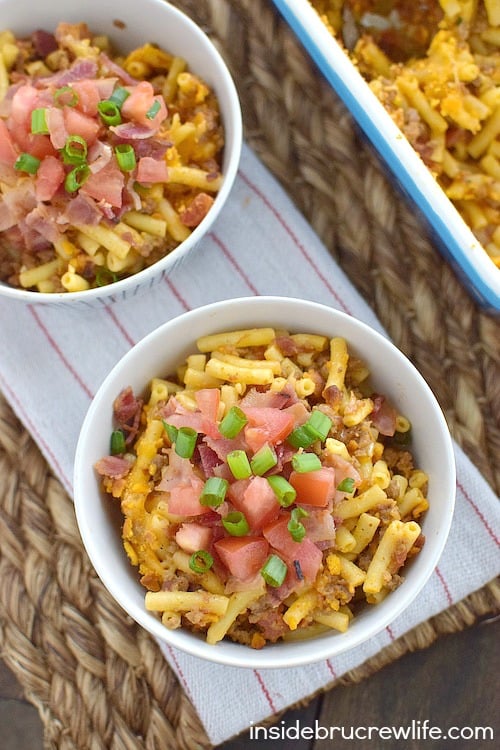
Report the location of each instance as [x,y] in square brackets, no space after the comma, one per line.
[53,361]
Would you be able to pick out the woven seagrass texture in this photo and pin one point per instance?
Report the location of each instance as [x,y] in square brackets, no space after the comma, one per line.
[97,679]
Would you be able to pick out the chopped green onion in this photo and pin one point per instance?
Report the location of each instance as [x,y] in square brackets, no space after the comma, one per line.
[201,561]
[304,462]
[214,492]
[117,442]
[66,96]
[239,464]
[263,460]
[235,523]
[75,179]
[274,571]
[185,442]
[171,431]
[110,112]
[104,276]
[233,422]
[300,438]
[283,490]
[346,485]
[294,526]
[153,110]
[125,156]
[27,163]
[39,122]
[118,96]
[318,425]
[75,150]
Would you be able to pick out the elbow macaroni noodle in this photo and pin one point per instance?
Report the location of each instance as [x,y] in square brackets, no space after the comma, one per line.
[375,519]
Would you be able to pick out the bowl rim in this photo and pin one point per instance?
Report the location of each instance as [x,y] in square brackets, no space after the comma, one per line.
[231,654]
[233,126]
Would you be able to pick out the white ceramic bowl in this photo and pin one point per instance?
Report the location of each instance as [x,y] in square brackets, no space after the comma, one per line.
[160,352]
[130,25]
[453,237]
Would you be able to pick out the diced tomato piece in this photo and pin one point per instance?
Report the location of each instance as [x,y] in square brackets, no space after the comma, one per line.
[266,425]
[192,537]
[243,556]
[314,487]
[184,499]
[77,123]
[255,498]
[49,177]
[89,96]
[306,553]
[208,400]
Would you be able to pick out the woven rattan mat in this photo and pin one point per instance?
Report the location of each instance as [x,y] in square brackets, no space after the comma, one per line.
[97,679]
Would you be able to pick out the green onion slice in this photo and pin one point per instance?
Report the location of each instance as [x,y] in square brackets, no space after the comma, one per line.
[66,96]
[118,96]
[110,112]
[214,492]
[274,571]
[117,442]
[27,163]
[125,156]
[75,150]
[153,110]
[263,460]
[104,276]
[233,422]
[39,121]
[283,490]
[171,431]
[346,485]
[76,178]
[294,526]
[235,523]
[201,561]
[185,442]
[239,464]
[318,425]
[300,438]
[304,462]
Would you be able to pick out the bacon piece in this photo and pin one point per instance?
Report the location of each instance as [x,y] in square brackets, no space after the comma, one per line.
[57,127]
[8,153]
[115,467]
[98,156]
[127,412]
[150,170]
[112,67]
[44,220]
[107,185]
[82,210]
[43,42]
[192,537]
[383,416]
[78,71]
[197,210]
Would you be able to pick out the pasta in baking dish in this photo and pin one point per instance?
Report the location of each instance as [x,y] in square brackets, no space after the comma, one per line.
[107,163]
[435,66]
[267,492]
